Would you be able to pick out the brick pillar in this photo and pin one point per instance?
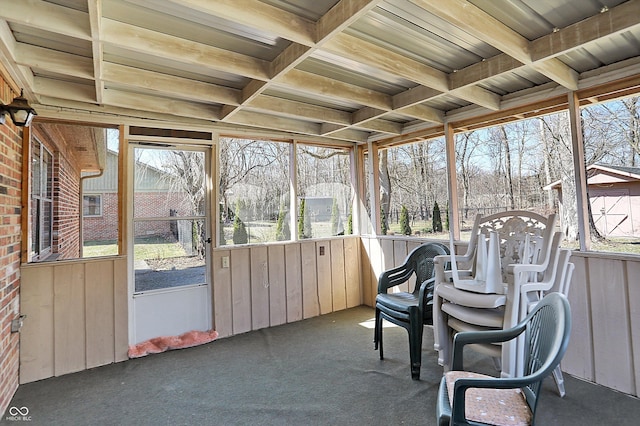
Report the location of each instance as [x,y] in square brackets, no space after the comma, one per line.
[10,201]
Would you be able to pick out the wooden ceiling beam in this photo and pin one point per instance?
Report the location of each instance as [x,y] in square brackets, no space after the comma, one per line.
[166,46]
[95,18]
[335,20]
[52,61]
[362,51]
[624,17]
[48,17]
[300,109]
[165,84]
[324,86]
[258,15]
[480,24]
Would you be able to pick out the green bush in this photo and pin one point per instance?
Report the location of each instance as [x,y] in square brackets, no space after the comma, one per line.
[383,222]
[335,217]
[405,228]
[283,233]
[446,218]
[240,235]
[437,219]
[304,222]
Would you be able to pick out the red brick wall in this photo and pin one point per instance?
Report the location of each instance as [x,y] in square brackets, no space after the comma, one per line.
[10,193]
[105,227]
[66,208]
[148,204]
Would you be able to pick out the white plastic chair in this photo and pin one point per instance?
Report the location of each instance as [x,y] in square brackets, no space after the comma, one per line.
[528,247]
[532,293]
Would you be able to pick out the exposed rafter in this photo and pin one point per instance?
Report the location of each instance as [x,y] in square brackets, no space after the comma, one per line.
[338,73]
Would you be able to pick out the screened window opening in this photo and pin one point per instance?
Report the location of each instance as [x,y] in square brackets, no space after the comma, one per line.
[254,192]
[324,192]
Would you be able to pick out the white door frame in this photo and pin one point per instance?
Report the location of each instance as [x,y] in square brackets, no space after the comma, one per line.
[152,306]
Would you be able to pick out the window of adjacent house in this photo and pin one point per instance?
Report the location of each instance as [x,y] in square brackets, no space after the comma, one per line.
[42,201]
[92,205]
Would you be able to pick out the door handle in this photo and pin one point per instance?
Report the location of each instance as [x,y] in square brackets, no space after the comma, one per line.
[208,240]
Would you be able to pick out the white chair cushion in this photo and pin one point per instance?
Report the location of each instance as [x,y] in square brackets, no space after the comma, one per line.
[500,407]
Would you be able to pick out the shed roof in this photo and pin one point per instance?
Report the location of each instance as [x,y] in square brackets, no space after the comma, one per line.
[337,70]
[598,174]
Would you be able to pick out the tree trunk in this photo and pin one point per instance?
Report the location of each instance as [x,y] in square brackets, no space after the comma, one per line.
[385,188]
[507,166]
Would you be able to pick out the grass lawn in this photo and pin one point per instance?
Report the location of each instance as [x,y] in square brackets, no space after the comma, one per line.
[144,248]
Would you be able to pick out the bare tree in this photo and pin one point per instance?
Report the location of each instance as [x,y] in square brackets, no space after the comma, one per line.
[504,139]
[466,144]
[556,131]
[617,125]
[385,189]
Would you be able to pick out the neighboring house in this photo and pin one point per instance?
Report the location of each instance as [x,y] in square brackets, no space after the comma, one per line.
[153,196]
[100,203]
[614,194]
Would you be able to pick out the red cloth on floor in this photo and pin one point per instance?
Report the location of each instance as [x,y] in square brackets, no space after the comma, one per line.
[165,343]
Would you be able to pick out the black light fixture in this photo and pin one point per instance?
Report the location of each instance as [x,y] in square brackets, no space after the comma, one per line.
[20,111]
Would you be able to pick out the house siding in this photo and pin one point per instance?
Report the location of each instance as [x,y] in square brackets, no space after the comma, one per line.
[10,228]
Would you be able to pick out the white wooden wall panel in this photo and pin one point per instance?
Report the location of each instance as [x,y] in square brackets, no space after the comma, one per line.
[633,279]
[338,283]
[310,298]
[352,272]
[37,333]
[259,288]
[221,293]
[366,270]
[293,273]
[100,316]
[610,322]
[69,318]
[578,359]
[240,264]
[325,298]
[277,285]
[76,316]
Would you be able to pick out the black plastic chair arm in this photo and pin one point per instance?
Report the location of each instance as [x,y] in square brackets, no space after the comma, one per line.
[470,337]
[423,289]
[393,277]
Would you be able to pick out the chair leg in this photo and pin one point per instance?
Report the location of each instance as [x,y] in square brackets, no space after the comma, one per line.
[557,376]
[375,330]
[415,344]
[377,334]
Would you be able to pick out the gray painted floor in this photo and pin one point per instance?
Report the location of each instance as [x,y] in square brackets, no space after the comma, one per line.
[321,371]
